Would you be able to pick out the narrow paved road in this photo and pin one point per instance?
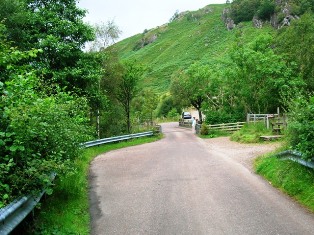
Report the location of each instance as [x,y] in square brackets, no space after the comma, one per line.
[181,185]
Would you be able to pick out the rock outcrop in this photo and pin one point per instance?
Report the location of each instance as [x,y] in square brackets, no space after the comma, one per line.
[280,19]
[257,23]
[229,23]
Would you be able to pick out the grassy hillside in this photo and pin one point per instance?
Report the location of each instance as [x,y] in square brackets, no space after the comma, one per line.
[195,36]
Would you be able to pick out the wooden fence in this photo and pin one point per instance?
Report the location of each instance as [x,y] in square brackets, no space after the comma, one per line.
[227,126]
[266,118]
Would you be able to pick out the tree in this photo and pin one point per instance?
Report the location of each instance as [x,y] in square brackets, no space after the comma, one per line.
[145,104]
[111,117]
[244,10]
[168,104]
[106,35]
[128,88]
[258,77]
[57,28]
[295,43]
[14,16]
[190,86]
[90,66]
[266,9]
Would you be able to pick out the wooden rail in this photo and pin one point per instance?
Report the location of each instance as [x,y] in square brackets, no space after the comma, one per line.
[227,126]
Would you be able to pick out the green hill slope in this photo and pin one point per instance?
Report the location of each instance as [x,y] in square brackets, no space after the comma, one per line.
[194,36]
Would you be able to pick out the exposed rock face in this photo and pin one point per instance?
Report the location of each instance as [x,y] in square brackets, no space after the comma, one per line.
[274,21]
[257,23]
[286,10]
[148,40]
[277,20]
[227,19]
[230,24]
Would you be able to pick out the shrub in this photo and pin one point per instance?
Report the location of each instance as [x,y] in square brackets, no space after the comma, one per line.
[244,10]
[204,130]
[167,105]
[173,113]
[301,126]
[218,117]
[266,9]
[39,135]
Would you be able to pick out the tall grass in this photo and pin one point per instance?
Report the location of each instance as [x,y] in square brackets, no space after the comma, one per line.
[67,210]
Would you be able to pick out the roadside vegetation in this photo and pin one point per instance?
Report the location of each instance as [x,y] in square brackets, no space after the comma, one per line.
[54,95]
[251,133]
[290,177]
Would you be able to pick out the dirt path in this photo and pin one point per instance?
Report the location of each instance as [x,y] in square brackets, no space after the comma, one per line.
[242,153]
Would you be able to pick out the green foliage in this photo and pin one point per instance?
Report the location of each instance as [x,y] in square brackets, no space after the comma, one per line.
[39,134]
[167,104]
[298,50]
[173,113]
[56,28]
[299,7]
[204,129]
[145,105]
[294,179]
[220,116]
[128,88]
[266,9]
[250,133]
[301,125]
[256,73]
[189,87]
[244,10]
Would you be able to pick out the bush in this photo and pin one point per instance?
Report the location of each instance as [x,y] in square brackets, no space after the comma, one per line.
[301,126]
[38,135]
[173,113]
[266,9]
[204,130]
[218,117]
[244,10]
[167,105]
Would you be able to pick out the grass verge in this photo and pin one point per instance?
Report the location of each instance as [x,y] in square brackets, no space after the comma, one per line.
[67,210]
[292,178]
[250,133]
[215,134]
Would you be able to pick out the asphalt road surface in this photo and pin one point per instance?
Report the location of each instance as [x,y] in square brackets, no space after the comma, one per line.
[183,185]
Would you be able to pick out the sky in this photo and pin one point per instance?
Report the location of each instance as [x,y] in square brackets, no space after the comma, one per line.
[134,16]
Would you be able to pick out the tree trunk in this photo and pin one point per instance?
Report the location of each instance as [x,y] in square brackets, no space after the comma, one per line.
[200,116]
[128,117]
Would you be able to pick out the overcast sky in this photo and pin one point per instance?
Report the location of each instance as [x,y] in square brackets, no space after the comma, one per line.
[134,16]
